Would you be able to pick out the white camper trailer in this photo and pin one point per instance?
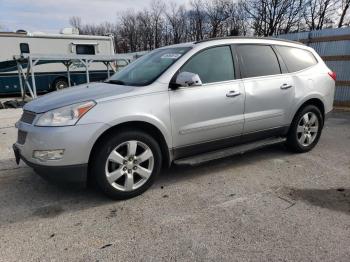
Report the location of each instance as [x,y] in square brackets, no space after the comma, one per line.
[52,76]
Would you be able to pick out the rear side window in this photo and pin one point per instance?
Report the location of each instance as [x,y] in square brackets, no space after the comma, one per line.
[85,49]
[212,65]
[296,59]
[258,60]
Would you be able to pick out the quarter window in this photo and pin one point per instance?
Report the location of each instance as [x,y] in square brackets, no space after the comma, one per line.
[212,65]
[85,49]
[258,60]
[296,59]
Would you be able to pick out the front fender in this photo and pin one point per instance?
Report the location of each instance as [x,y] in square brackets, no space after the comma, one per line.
[151,108]
[145,118]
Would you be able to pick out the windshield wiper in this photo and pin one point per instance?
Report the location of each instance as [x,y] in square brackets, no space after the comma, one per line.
[117,82]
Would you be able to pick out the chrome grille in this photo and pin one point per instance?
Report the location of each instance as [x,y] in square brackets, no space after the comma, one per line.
[28,117]
[21,137]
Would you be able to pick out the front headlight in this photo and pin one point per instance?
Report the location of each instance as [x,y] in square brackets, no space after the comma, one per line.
[65,116]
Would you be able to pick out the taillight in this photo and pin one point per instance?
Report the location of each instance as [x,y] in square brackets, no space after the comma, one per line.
[333,75]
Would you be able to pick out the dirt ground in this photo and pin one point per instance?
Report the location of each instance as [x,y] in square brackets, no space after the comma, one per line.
[267,205]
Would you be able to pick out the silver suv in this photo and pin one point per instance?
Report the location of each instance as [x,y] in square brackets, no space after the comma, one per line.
[182,104]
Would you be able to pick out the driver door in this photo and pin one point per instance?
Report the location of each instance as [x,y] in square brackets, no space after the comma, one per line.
[209,116]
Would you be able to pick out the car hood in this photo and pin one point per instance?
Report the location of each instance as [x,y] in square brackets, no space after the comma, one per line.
[74,95]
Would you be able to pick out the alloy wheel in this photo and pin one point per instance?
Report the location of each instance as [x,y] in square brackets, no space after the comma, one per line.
[129,165]
[307,129]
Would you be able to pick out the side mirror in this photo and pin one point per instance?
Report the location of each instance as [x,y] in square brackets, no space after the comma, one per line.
[188,79]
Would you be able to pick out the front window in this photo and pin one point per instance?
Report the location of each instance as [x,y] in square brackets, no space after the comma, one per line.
[148,68]
[212,65]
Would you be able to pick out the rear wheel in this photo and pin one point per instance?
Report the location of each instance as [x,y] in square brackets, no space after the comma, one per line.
[126,164]
[60,83]
[305,130]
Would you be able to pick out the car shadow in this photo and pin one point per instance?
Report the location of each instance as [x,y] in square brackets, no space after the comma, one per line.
[337,199]
[176,174]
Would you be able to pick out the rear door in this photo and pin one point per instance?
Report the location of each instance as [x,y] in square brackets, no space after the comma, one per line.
[269,92]
[208,116]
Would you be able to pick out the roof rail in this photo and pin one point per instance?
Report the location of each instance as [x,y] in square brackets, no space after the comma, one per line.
[248,37]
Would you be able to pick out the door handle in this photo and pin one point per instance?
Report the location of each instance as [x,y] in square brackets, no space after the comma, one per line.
[286,86]
[233,93]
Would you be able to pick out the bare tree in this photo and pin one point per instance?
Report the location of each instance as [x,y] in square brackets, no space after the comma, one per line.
[292,20]
[318,13]
[197,18]
[157,10]
[75,21]
[271,17]
[217,11]
[128,31]
[237,23]
[167,24]
[345,4]
[145,30]
[176,17]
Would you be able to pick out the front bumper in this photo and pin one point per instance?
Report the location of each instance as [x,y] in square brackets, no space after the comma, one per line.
[75,174]
[76,141]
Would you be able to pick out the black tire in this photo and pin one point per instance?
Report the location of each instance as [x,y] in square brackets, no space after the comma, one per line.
[293,142]
[60,83]
[103,151]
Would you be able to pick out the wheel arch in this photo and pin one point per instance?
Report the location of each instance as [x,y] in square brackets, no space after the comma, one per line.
[312,101]
[292,138]
[146,127]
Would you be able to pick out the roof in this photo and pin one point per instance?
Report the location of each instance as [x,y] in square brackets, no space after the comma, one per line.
[247,38]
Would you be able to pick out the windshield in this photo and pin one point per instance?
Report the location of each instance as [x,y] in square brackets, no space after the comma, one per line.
[148,68]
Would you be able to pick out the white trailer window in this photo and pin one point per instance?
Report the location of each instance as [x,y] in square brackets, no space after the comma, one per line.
[24,47]
[85,49]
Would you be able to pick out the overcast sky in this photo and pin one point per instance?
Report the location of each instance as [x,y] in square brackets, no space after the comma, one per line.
[52,15]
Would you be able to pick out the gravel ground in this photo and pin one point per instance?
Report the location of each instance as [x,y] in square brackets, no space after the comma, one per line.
[267,205]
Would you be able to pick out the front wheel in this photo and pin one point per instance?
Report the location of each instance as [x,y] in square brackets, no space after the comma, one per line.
[126,164]
[305,130]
